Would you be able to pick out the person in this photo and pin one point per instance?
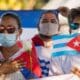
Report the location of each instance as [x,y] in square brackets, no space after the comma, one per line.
[18,59]
[48,26]
[66,55]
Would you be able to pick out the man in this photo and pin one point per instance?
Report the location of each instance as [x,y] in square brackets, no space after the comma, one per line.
[17,59]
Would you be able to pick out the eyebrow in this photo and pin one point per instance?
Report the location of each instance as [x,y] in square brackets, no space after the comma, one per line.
[53,20]
[44,19]
[2,25]
[50,18]
[76,22]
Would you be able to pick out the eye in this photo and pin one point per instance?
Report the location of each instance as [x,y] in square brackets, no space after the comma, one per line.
[2,29]
[77,24]
[53,21]
[11,30]
[45,21]
[1,26]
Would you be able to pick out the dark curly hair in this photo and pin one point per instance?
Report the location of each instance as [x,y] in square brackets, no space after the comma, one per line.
[75,12]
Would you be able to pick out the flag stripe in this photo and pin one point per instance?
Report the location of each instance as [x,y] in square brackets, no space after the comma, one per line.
[65,53]
[60,41]
[56,37]
[66,48]
[60,45]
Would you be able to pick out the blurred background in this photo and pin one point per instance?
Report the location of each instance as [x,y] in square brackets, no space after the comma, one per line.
[22,4]
[36,4]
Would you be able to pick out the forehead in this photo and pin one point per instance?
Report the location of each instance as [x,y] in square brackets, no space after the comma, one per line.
[49,15]
[77,19]
[8,20]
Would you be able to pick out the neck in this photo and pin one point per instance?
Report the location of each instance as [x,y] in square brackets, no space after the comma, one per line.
[47,42]
[9,51]
[45,38]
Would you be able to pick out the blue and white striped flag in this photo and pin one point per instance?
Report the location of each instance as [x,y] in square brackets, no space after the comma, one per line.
[60,45]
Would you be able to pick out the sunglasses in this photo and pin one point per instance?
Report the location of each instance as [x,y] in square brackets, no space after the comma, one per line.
[8,29]
[74,25]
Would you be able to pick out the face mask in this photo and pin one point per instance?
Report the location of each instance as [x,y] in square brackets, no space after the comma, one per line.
[7,40]
[48,29]
[74,26]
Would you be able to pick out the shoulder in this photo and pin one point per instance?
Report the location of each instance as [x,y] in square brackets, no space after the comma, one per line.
[37,40]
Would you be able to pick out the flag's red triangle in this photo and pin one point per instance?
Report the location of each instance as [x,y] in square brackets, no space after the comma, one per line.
[74,43]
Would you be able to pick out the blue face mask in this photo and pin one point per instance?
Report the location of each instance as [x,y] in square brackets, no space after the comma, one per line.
[7,40]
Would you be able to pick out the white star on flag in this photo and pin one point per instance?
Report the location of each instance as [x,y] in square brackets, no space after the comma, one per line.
[76,43]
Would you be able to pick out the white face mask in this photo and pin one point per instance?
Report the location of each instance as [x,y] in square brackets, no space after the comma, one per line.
[48,29]
[7,40]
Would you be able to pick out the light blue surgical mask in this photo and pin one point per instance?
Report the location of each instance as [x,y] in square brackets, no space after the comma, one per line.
[7,40]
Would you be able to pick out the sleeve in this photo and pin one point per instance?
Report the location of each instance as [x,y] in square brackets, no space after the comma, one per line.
[60,65]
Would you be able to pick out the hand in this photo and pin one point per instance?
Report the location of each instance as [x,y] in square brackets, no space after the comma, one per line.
[76,71]
[10,66]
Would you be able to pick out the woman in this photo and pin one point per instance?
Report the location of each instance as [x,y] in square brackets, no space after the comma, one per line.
[48,26]
[67,47]
[17,59]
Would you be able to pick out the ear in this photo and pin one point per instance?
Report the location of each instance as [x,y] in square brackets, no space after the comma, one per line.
[38,26]
[19,32]
[64,11]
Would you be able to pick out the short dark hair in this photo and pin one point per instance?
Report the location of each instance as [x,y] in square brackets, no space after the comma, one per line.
[75,12]
[13,15]
[51,11]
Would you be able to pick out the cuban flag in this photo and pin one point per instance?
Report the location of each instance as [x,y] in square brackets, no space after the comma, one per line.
[66,44]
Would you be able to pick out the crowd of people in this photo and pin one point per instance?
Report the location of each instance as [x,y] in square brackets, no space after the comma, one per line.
[37,58]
